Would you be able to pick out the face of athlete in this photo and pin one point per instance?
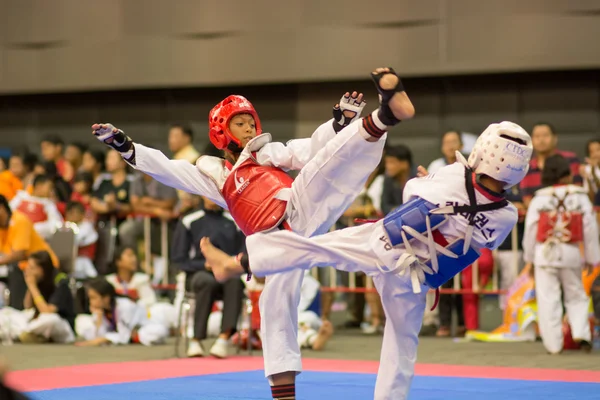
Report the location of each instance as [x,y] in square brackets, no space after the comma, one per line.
[243,128]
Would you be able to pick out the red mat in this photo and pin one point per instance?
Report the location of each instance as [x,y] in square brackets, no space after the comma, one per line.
[110,373]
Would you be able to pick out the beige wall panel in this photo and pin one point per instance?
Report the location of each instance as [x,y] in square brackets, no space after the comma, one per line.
[20,69]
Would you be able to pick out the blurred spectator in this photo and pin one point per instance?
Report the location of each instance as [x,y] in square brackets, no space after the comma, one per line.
[116,320]
[544,139]
[82,192]
[180,143]
[52,147]
[129,281]
[18,239]
[62,190]
[112,195]
[86,239]
[3,164]
[74,155]
[451,143]
[19,174]
[50,313]
[485,269]
[398,170]
[93,162]
[590,172]
[39,207]
[447,303]
[214,223]
[152,198]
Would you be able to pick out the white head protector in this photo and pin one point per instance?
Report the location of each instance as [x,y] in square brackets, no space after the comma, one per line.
[502,152]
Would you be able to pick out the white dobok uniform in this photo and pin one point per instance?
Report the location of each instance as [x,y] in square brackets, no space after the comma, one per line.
[367,248]
[558,265]
[333,170]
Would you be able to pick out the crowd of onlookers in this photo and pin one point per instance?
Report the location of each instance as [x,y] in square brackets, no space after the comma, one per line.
[125,220]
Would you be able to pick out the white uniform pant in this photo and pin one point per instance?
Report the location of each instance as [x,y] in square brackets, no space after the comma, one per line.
[548,284]
[324,189]
[48,325]
[351,250]
[150,333]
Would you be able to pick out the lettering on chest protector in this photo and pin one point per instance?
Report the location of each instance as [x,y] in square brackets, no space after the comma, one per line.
[481,221]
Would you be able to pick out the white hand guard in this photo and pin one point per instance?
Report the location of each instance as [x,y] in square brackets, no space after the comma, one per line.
[348,103]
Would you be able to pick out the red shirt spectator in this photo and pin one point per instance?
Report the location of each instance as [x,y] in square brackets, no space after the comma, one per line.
[544,140]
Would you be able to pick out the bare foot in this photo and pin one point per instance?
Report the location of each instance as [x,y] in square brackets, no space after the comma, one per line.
[222,265]
[325,333]
[400,104]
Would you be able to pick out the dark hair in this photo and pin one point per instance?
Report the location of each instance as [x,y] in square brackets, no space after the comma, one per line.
[99,156]
[119,253]
[400,152]
[80,146]
[103,288]
[186,129]
[452,131]
[29,160]
[44,261]
[53,139]
[543,123]
[211,150]
[4,203]
[5,161]
[587,146]
[50,168]
[41,179]
[556,167]
[75,206]
[84,177]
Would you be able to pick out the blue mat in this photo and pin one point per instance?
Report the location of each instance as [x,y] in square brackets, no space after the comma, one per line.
[323,385]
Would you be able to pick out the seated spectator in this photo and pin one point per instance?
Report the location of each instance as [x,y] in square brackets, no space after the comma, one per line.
[214,223]
[62,190]
[18,239]
[180,143]
[452,142]
[398,170]
[49,296]
[313,332]
[129,281]
[18,176]
[74,155]
[116,320]
[112,195]
[39,207]
[52,147]
[93,162]
[3,164]
[85,239]
[152,198]
[82,193]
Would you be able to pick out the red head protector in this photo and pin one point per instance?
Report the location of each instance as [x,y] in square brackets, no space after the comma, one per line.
[220,116]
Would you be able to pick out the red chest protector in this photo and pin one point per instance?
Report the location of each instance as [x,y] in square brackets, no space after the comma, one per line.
[35,211]
[560,224]
[249,192]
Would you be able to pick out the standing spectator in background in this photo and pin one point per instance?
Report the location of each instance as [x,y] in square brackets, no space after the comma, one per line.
[19,174]
[39,207]
[213,222]
[544,139]
[590,171]
[398,170]
[93,162]
[112,195]
[52,147]
[451,143]
[74,155]
[180,143]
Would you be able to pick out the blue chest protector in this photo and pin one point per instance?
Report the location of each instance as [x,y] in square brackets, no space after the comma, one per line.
[410,221]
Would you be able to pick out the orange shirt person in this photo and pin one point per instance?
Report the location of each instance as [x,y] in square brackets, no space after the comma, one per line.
[18,238]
